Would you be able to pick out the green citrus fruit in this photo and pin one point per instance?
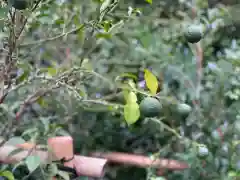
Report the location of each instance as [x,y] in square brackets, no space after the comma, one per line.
[150,107]
[203,151]
[20,4]
[193,33]
[184,108]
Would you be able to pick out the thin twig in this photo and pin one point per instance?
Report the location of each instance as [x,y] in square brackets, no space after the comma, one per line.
[32,99]
[53,38]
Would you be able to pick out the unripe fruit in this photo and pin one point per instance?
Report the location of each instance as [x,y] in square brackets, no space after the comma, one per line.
[184,108]
[20,4]
[150,107]
[237,165]
[216,136]
[203,151]
[193,33]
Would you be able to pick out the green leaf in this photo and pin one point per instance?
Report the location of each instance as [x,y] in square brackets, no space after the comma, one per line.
[4,12]
[23,77]
[86,64]
[52,169]
[7,174]
[232,174]
[46,123]
[64,175]
[103,35]
[158,178]
[146,40]
[15,151]
[125,94]
[32,162]
[128,75]
[225,66]
[52,71]
[131,98]
[106,25]
[15,141]
[105,5]
[149,1]
[151,81]
[115,28]
[131,113]
[83,178]
[41,102]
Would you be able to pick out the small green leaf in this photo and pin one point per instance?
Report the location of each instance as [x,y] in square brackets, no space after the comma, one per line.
[128,75]
[151,81]
[86,64]
[106,25]
[64,175]
[131,98]
[103,35]
[4,12]
[7,174]
[33,162]
[131,113]
[149,1]
[23,76]
[52,71]
[41,102]
[115,28]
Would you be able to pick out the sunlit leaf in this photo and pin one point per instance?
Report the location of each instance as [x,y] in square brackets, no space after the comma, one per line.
[151,81]
[32,162]
[149,1]
[86,64]
[103,35]
[7,174]
[107,25]
[64,175]
[41,102]
[52,71]
[131,113]
[131,98]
